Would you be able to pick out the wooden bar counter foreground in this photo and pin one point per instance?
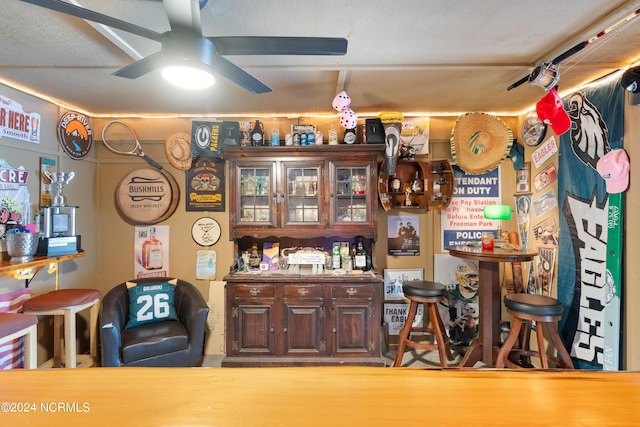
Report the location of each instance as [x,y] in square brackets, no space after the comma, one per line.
[310,396]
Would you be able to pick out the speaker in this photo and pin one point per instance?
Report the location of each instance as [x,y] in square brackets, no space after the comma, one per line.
[374,131]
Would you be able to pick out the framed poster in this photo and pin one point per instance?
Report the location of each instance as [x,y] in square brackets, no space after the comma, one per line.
[395,314]
[46,165]
[460,310]
[151,251]
[394,278]
[523,178]
[205,185]
[404,235]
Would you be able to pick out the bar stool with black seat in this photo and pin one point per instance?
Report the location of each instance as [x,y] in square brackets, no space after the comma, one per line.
[64,305]
[16,325]
[546,312]
[430,294]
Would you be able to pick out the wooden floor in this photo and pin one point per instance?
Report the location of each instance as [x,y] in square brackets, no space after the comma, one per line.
[318,396]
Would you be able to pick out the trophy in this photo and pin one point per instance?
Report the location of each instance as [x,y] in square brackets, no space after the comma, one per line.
[60,179]
[58,221]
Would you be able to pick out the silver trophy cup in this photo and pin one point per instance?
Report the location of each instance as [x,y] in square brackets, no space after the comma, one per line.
[60,179]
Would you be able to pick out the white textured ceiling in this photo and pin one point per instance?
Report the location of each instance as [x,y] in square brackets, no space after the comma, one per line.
[427,56]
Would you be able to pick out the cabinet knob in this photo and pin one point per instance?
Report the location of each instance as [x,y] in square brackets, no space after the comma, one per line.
[272,329]
[285,330]
[331,195]
[334,330]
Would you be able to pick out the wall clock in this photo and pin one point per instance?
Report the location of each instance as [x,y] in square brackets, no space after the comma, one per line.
[206,231]
[533,130]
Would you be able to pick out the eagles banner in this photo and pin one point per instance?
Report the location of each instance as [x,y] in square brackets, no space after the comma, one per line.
[597,116]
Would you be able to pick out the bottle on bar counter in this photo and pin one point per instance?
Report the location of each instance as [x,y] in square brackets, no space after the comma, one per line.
[336,258]
[255,257]
[360,255]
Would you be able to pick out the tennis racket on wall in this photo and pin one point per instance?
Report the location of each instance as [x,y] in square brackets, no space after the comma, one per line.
[120,138]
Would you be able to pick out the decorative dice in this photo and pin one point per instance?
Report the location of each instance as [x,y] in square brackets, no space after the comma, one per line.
[348,119]
[342,101]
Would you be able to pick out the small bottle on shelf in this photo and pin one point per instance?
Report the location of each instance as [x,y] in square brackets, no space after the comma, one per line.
[395,184]
[417,185]
[333,135]
[257,134]
[275,134]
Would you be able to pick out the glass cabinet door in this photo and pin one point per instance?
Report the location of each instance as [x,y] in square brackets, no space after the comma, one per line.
[352,192]
[303,188]
[256,185]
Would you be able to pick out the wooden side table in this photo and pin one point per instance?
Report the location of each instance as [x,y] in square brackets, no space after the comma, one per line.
[485,347]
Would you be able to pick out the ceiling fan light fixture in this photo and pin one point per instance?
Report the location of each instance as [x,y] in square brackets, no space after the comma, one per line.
[187,77]
[545,76]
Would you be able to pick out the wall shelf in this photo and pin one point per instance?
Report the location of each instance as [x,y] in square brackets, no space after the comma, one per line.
[437,185]
[19,271]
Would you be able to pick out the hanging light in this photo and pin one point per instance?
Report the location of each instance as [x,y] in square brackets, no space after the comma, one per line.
[545,75]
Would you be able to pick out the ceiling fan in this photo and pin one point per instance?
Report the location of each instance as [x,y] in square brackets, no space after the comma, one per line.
[184,42]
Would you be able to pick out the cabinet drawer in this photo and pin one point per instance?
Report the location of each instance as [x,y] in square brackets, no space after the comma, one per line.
[303,291]
[351,291]
[254,291]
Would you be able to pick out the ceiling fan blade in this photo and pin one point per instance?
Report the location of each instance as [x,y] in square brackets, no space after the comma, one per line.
[280,45]
[80,12]
[237,75]
[141,67]
[184,15]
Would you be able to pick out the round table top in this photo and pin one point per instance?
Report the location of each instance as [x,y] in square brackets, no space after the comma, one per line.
[496,255]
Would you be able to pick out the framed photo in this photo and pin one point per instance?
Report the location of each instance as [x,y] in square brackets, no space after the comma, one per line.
[523,178]
[394,278]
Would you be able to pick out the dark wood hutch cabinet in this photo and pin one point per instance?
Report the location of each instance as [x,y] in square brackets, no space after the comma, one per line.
[303,196]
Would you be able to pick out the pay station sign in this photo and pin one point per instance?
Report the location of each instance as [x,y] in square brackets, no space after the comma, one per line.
[463,221]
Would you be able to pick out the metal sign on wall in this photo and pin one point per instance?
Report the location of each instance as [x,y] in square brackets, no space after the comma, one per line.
[16,123]
[75,135]
[205,185]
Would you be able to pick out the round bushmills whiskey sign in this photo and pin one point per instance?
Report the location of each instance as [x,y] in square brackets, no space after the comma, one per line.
[147,196]
[75,135]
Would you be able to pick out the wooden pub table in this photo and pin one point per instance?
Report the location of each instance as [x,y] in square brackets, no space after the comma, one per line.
[485,347]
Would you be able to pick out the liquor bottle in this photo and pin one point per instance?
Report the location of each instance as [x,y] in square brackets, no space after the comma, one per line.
[254,257]
[350,136]
[336,258]
[257,134]
[333,135]
[396,184]
[360,255]
[417,184]
[275,134]
[152,251]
